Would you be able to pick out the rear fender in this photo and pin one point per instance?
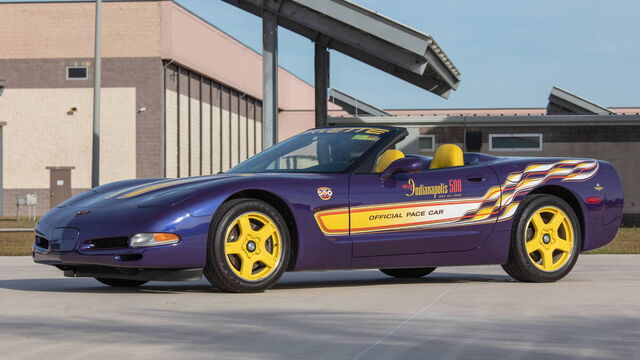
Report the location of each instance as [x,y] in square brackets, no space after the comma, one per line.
[590,186]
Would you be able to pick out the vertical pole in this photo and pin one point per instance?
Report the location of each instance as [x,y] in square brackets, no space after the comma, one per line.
[270,79]
[97,75]
[164,119]
[1,174]
[178,121]
[321,83]
[464,136]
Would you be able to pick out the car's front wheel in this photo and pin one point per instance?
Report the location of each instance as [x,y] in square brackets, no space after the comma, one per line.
[121,282]
[249,246]
[545,240]
[411,273]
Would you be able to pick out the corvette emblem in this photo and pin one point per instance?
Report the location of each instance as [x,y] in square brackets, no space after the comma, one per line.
[325,193]
[598,187]
[83,212]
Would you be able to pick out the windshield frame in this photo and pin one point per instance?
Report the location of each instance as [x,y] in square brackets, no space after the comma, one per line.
[366,160]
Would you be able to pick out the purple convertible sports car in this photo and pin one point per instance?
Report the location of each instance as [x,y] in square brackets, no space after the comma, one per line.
[338,198]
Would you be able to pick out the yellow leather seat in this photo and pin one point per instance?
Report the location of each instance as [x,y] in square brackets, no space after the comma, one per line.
[447,155]
[386,159]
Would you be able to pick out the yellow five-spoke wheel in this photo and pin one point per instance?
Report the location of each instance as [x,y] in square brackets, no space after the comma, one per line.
[248,246]
[545,240]
[252,247]
[549,238]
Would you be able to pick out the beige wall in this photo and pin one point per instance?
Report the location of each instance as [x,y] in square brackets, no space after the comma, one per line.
[234,134]
[40,132]
[206,138]
[160,29]
[171,134]
[194,43]
[216,117]
[183,138]
[211,114]
[194,139]
[66,30]
[220,149]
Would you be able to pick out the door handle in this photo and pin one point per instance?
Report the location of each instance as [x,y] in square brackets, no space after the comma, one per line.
[477,179]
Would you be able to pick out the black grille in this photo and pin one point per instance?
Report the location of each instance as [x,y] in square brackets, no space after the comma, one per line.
[109,243]
[42,242]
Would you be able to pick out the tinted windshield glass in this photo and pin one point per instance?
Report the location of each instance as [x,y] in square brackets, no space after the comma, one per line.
[315,151]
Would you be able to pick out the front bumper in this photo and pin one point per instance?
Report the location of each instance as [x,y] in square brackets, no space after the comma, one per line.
[133,274]
[167,263]
[63,238]
[180,256]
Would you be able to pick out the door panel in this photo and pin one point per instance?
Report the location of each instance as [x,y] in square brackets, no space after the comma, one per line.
[59,185]
[450,209]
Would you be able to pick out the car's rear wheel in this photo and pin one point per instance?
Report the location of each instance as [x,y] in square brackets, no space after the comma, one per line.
[411,273]
[545,240]
[121,282]
[249,246]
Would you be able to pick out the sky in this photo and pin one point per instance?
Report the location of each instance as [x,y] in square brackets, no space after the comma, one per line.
[510,53]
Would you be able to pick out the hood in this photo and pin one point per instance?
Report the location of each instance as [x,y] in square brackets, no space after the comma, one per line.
[143,192]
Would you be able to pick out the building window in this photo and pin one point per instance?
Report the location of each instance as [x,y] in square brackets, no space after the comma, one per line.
[427,142]
[515,142]
[77,73]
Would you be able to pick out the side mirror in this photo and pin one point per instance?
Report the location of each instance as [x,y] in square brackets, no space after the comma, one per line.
[404,165]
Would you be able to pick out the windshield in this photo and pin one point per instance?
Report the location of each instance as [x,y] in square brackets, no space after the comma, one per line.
[329,150]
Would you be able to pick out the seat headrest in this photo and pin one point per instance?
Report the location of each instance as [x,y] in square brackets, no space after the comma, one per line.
[447,155]
[386,159]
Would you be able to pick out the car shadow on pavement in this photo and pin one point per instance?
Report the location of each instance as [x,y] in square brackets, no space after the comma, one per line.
[291,281]
[322,279]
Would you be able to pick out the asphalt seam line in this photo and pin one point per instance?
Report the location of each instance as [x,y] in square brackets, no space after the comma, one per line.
[402,324]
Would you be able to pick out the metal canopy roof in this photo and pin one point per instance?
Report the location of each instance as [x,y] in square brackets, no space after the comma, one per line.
[563,102]
[367,36]
[354,106]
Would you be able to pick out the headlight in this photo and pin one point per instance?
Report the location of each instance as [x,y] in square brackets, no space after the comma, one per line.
[152,239]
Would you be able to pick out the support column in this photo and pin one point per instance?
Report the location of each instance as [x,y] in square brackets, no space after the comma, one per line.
[2,124]
[97,76]
[321,83]
[269,79]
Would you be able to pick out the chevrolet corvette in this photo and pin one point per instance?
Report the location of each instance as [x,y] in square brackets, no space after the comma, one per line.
[338,198]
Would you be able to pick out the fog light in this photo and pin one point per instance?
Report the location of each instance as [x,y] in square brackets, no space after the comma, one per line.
[152,239]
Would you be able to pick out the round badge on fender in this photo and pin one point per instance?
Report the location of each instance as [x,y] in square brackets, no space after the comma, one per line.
[325,193]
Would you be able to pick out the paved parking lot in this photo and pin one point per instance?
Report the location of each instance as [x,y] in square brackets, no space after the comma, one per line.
[456,313]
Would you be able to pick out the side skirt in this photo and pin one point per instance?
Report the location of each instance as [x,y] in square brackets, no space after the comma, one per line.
[494,251]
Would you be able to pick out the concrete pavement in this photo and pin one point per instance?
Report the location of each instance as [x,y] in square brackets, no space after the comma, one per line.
[456,313]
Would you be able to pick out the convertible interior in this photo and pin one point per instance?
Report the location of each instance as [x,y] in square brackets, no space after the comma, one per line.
[446,156]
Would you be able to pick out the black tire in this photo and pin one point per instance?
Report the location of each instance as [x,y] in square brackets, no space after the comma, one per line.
[121,282]
[218,269]
[412,273]
[520,265]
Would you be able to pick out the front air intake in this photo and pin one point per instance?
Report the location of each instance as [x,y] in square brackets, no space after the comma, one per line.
[42,242]
[109,243]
